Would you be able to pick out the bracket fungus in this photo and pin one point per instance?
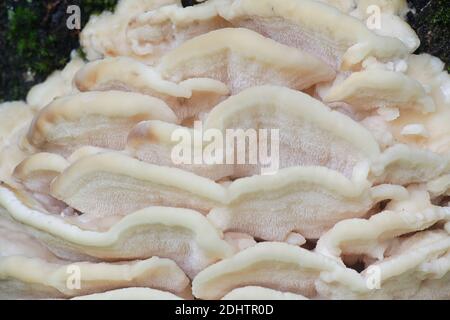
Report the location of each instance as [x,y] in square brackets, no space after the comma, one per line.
[381,89]
[273,265]
[310,134]
[228,54]
[303,200]
[183,235]
[305,24]
[235,149]
[131,294]
[100,185]
[404,165]
[36,278]
[93,118]
[373,236]
[187,99]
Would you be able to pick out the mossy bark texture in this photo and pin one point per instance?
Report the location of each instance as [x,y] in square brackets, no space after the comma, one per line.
[35,40]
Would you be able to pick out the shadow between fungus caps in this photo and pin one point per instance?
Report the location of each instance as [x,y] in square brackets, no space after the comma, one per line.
[190,3]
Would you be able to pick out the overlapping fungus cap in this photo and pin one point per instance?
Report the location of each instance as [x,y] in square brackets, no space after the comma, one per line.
[88,180]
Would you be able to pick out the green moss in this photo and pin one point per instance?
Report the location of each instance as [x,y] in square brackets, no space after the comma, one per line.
[431,21]
[98,6]
[35,40]
[30,47]
[442,13]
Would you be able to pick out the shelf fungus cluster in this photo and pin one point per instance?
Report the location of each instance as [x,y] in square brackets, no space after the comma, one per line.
[93,204]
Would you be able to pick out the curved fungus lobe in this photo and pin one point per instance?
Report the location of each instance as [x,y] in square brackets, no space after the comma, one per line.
[37,171]
[372,237]
[206,94]
[241,59]
[36,174]
[310,133]
[152,142]
[308,25]
[298,200]
[31,278]
[93,118]
[126,74]
[273,265]
[113,184]
[188,99]
[394,26]
[182,235]
[28,270]
[84,152]
[415,267]
[419,268]
[131,294]
[386,18]
[403,165]
[337,38]
[373,89]
[153,33]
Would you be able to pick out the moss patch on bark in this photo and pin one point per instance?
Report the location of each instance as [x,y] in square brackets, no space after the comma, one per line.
[431,20]
[35,40]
